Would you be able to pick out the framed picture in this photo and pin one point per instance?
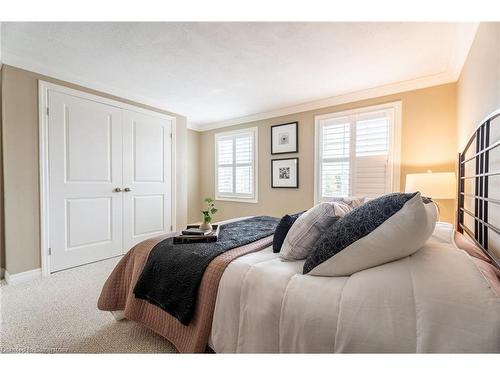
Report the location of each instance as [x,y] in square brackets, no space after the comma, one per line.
[284,138]
[285,173]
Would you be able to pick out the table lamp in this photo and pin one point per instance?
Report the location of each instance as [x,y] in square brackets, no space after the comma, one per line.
[441,185]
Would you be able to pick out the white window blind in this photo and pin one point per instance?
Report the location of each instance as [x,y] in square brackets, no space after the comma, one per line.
[355,154]
[236,165]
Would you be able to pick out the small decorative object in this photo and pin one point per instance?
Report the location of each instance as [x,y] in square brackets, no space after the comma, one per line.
[285,173]
[208,214]
[284,138]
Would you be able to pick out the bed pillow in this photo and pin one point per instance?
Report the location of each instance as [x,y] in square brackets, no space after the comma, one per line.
[282,229]
[380,231]
[307,229]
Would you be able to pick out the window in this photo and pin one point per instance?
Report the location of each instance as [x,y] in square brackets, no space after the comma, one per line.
[235,165]
[357,152]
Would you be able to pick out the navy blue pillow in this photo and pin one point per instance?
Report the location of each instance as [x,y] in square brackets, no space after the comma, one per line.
[282,229]
[356,224]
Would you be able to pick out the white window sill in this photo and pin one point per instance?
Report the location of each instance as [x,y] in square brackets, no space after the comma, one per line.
[240,200]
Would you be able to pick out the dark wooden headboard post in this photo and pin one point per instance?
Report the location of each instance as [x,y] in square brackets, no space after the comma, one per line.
[479,157]
[460,188]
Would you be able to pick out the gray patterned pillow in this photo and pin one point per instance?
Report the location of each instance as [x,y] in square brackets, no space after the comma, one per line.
[307,229]
[380,231]
[352,202]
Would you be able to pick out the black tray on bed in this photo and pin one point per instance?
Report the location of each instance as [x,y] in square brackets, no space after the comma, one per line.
[211,237]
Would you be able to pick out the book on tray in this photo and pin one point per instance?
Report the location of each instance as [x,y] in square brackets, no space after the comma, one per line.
[193,234]
[196,232]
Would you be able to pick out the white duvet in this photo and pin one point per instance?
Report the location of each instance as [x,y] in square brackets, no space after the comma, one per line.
[433,301]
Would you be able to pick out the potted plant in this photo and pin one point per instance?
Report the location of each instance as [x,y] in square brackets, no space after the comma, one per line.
[208,214]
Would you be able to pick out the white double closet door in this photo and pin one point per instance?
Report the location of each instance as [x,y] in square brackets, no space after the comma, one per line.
[109,179]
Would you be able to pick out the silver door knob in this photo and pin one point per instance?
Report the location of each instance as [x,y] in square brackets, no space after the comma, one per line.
[127,190]
[117,190]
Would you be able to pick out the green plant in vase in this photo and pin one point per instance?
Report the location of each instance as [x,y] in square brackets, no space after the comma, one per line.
[208,214]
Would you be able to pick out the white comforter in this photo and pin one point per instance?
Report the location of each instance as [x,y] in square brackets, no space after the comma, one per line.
[433,301]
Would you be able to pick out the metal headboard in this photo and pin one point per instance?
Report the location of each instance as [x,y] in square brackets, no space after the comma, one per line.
[475,184]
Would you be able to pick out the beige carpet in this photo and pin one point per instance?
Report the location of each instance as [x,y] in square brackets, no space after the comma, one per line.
[58,314]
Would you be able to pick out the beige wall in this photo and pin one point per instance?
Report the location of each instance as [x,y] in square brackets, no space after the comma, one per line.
[478,89]
[193,167]
[21,180]
[428,142]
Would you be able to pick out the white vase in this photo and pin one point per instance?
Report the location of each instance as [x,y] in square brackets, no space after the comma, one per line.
[206,226]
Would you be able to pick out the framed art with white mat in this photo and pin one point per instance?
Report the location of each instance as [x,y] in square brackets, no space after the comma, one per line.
[284,138]
[285,173]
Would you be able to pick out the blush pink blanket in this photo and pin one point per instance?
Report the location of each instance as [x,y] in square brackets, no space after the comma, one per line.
[117,295]
[489,271]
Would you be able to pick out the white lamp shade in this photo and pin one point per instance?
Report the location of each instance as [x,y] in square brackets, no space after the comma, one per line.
[433,185]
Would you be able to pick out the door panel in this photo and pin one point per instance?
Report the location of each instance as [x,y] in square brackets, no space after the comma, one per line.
[149,149]
[88,221]
[85,166]
[146,172]
[87,130]
[149,215]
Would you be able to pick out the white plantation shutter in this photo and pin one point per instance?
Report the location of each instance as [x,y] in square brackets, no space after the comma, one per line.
[335,145]
[371,163]
[225,165]
[354,154]
[235,165]
[244,157]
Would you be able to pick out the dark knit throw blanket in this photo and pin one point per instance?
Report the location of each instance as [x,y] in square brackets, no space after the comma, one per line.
[173,273]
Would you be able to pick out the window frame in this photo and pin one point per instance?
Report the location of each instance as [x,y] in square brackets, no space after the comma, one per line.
[235,197]
[395,143]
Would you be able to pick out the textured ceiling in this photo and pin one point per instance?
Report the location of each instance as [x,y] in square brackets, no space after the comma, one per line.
[215,72]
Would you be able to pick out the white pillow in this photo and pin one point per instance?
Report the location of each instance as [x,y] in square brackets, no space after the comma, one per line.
[308,228]
[347,248]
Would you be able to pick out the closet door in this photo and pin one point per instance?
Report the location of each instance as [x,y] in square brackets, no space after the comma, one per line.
[147,178]
[85,168]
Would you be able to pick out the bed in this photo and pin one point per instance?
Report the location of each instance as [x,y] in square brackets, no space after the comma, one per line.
[443,298]
[415,304]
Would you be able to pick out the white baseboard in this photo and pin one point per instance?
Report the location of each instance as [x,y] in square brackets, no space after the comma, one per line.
[22,277]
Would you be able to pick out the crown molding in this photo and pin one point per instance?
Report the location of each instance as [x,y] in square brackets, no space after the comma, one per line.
[193,126]
[465,35]
[375,92]
[414,84]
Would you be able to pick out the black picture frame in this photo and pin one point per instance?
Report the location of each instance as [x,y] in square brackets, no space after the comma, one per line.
[296,186]
[296,123]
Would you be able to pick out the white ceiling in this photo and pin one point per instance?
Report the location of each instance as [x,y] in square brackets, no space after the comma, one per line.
[224,73]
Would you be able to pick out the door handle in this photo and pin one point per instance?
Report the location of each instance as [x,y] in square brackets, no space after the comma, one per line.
[117,190]
[127,189]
